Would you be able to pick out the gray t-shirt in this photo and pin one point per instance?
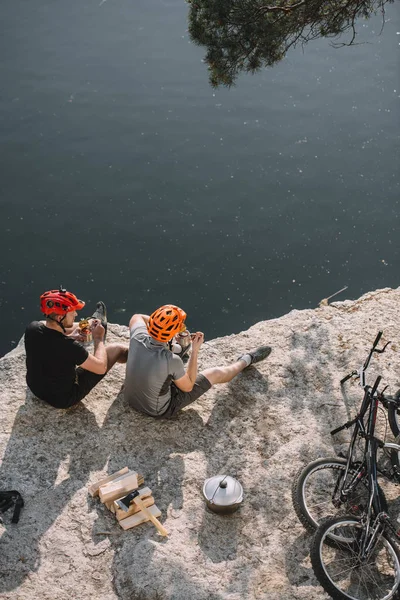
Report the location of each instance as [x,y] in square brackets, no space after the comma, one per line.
[150,369]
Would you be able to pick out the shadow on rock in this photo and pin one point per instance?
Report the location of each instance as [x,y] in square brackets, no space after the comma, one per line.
[156,448]
[48,458]
[297,562]
[231,428]
[163,449]
[309,361]
[218,536]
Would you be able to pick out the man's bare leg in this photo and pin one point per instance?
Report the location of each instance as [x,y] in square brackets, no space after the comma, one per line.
[225,374]
[116,353]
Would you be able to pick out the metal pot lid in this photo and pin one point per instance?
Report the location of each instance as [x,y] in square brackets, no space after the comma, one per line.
[223,490]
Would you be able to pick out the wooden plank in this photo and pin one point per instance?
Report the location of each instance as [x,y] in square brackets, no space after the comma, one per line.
[153,519]
[139,518]
[94,488]
[129,472]
[119,488]
[133,509]
[110,506]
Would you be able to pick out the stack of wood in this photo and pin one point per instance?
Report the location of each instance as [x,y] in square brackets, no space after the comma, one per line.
[116,487]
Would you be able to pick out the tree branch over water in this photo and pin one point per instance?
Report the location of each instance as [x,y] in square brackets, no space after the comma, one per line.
[247,35]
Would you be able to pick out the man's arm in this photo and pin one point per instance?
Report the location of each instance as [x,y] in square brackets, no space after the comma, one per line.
[144,319]
[97,362]
[187,382]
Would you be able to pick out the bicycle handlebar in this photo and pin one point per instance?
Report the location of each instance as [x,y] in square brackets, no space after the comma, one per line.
[361,372]
[377,339]
[345,426]
[342,381]
[373,349]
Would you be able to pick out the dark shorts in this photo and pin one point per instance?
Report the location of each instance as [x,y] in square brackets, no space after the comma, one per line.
[181,399]
[85,382]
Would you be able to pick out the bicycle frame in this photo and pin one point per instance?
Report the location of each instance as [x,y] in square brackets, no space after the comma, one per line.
[375,518]
[370,453]
[370,401]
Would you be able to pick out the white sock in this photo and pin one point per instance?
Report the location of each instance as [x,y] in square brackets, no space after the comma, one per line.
[246,358]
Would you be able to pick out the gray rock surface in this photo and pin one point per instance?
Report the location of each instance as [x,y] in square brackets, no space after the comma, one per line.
[259,428]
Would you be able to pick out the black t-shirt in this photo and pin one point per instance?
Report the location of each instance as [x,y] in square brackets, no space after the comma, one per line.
[51,358]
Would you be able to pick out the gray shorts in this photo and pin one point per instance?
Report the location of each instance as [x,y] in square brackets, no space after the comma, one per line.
[181,399]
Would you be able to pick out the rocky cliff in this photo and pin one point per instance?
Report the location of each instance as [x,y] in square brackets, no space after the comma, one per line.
[259,428]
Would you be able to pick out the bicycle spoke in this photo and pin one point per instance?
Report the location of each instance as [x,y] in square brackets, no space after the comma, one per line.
[318,493]
[320,503]
[375,577]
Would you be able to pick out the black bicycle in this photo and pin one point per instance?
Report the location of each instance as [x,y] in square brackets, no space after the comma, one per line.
[357,557]
[339,485]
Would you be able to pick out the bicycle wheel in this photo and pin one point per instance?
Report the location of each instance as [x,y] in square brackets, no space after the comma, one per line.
[341,571]
[394,419]
[313,492]
[395,460]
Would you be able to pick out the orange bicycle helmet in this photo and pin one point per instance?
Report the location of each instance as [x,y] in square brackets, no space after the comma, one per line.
[165,322]
[60,302]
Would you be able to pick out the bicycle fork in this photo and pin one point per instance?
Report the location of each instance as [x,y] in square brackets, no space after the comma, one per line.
[341,492]
[370,537]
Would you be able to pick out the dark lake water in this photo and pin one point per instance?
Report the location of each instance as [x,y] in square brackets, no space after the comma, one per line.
[127,178]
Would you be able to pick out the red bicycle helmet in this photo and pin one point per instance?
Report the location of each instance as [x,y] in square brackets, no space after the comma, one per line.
[165,322]
[60,302]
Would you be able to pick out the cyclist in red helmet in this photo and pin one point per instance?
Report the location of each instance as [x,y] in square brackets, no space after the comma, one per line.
[60,370]
[156,381]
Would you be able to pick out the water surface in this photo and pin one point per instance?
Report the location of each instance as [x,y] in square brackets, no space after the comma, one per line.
[127,178]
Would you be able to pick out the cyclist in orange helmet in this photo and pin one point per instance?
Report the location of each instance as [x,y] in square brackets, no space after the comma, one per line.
[60,370]
[156,381]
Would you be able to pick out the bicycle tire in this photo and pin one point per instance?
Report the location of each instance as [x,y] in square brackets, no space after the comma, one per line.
[394,419]
[395,460]
[311,514]
[354,579]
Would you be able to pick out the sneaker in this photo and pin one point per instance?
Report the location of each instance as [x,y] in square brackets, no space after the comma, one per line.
[258,354]
[101,314]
